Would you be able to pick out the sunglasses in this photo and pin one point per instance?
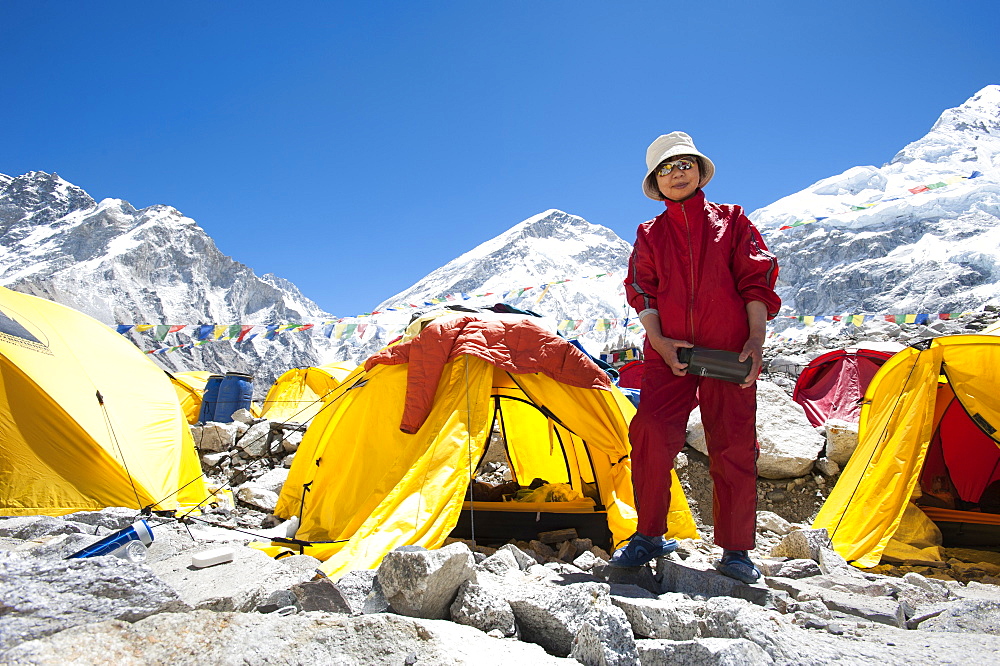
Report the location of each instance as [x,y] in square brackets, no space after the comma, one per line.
[683,164]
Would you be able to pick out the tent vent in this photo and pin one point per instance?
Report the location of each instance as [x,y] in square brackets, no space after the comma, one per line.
[983,423]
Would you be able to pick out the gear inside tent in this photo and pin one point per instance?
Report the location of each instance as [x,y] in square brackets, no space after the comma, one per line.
[830,388]
[298,394]
[87,420]
[390,461]
[929,437]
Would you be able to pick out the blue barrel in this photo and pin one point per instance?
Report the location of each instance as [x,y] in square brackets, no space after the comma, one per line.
[209,399]
[235,393]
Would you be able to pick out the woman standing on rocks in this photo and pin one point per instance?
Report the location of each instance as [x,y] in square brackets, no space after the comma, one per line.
[700,275]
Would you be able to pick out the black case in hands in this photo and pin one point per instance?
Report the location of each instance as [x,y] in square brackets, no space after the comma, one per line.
[715,363]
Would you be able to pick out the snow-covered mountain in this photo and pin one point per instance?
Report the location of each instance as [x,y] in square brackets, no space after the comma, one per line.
[920,234]
[149,266]
[573,271]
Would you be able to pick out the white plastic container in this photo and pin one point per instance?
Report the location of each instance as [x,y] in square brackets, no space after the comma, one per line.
[210,558]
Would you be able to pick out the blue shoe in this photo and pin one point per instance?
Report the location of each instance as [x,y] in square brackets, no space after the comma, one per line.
[641,549]
[736,564]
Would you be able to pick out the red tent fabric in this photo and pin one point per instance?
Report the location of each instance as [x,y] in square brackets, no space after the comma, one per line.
[832,385]
[630,375]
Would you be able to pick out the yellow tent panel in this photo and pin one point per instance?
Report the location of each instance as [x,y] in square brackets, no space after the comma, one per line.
[297,395]
[86,419]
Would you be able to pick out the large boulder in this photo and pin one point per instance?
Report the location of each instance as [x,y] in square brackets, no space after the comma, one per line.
[482,608]
[255,442]
[552,616]
[424,583]
[215,437]
[789,445]
[40,596]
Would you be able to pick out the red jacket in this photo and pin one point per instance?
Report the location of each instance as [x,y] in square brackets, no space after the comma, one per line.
[699,264]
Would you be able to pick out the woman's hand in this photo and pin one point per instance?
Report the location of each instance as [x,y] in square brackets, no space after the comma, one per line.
[667,349]
[754,350]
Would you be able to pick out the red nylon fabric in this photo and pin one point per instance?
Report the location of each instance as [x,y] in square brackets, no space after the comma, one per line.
[517,345]
[699,263]
[657,434]
[832,385]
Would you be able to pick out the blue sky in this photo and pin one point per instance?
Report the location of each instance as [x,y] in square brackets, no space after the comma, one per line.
[352,148]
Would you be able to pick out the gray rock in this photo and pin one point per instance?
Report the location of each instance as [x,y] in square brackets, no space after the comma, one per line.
[631,592]
[255,443]
[212,460]
[27,528]
[258,497]
[291,441]
[375,602]
[701,578]
[639,576]
[194,639]
[499,563]
[424,583]
[802,545]
[670,616]
[702,652]
[793,569]
[169,540]
[586,561]
[215,437]
[971,616]
[356,586]
[110,519]
[609,642]
[542,551]
[39,597]
[321,595]
[244,416]
[735,618]
[279,600]
[58,547]
[827,467]
[272,479]
[773,522]
[884,610]
[831,561]
[566,552]
[239,585]
[478,607]
[551,616]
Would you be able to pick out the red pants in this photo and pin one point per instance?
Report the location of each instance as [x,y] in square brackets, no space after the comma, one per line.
[657,435]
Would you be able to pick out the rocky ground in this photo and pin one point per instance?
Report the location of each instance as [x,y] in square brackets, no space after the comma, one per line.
[550,600]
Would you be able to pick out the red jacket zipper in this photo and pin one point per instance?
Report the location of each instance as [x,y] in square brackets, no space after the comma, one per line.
[690,312]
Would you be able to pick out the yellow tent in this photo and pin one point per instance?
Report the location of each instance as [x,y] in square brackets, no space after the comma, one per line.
[87,421]
[190,387]
[297,395]
[358,479]
[928,428]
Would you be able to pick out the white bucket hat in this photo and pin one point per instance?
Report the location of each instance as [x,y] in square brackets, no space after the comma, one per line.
[666,146]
